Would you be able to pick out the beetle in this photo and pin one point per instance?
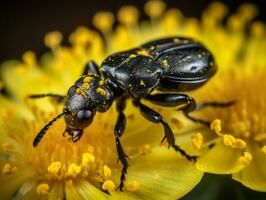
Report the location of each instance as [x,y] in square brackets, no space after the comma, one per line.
[166,67]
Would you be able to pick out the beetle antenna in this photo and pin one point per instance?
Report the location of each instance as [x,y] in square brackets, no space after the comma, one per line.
[46,127]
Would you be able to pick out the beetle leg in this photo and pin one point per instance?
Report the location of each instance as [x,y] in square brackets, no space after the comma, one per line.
[91,68]
[119,130]
[186,102]
[193,107]
[214,104]
[155,117]
[58,97]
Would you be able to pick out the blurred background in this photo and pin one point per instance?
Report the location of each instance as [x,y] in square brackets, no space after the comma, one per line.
[23,25]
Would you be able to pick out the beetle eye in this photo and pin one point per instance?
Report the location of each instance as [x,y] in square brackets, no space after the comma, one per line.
[84,116]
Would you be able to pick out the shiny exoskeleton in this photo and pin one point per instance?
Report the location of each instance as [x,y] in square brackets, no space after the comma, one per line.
[166,66]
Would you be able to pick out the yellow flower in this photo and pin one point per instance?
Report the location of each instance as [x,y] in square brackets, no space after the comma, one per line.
[237,142]
[88,169]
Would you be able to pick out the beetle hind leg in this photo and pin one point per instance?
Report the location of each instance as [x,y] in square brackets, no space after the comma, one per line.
[155,117]
[191,107]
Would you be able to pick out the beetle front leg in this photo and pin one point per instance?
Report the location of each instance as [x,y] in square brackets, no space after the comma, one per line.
[119,130]
[155,117]
[91,67]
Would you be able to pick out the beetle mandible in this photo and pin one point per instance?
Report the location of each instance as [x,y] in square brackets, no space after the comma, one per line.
[168,66]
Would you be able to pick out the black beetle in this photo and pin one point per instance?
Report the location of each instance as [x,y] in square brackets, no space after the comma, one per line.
[170,65]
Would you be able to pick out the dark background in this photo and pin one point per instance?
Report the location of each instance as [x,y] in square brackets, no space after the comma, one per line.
[23,24]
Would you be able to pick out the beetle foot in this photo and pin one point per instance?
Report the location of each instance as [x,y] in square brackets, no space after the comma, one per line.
[120,187]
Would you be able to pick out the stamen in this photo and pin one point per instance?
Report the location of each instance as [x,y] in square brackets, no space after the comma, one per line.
[107,172]
[108,185]
[53,39]
[73,170]
[245,159]
[54,167]
[103,21]
[128,15]
[228,139]
[132,185]
[239,144]
[7,147]
[154,8]
[42,188]
[197,140]
[87,158]
[216,126]
[8,169]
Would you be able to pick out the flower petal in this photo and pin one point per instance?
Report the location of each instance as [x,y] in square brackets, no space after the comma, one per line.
[220,159]
[162,174]
[254,175]
[88,191]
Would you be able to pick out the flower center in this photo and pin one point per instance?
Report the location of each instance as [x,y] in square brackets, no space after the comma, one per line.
[246,118]
[56,159]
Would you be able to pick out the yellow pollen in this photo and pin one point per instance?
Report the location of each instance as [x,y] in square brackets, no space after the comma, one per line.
[132,55]
[239,144]
[73,170]
[101,91]
[87,79]
[108,185]
[143,53]
[142,83]
[54,167]
[81,92]
[145,149]
[107,172]
[245,159]
[128,15]
[8,169]
[132,186]
[101,82]
[85,86]
[42,188]
[197,140]
[228,139]
[154,8]
[263,149]
[7,147]
[103,21]
[165,62]
[87,158]
[53,39]
[216,126]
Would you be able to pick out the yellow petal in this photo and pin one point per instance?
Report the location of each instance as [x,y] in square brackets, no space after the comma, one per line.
[220,160]
[57,192]
[87,191]
[254,175]
[162,174]
[10,184]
